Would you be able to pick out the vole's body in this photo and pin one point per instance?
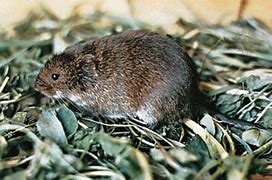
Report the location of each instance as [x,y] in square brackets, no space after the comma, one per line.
[136,73]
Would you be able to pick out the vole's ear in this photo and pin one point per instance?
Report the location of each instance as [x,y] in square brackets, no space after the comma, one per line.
[86,70]
[89,62]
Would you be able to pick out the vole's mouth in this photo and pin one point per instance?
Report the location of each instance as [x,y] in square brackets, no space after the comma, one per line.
[45,90]
[45,93]
[57,95]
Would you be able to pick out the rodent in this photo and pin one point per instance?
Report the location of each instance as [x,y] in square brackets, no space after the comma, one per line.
[140,74]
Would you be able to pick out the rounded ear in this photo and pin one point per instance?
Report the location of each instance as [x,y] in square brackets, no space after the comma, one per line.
[86,70]
[92,61]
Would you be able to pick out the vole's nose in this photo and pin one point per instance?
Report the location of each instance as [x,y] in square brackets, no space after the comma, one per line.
[35,84]
[38,83]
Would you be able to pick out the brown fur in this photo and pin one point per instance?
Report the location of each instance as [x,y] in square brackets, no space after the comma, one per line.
[136,73]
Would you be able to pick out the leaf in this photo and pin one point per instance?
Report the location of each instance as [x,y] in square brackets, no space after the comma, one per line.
[263,56]
[58,43]
[49,126]
[216,150]
[208,122]
[156,154]
[246,146]
[4,62]
[183,156]
[68,121]
[234,166]
[256,137]
[199,148]
[3,145]
[83,139]
[234,174]
[20,117]
[266,119]
[20,175]
[220,90]
[229,104]
[130,160]
[255,82]
[48,156]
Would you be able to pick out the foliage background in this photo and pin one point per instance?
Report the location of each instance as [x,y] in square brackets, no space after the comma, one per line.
[44,139]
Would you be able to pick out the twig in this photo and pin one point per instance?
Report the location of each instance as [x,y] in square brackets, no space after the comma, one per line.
[4,84]
[263,148]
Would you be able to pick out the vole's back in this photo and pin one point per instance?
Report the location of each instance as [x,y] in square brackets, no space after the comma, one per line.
[141,74]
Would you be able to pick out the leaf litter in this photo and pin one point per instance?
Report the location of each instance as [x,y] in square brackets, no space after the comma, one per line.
[41,139]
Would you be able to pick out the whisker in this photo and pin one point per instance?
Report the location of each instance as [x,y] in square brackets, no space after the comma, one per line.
[63,101]
[67,101]
[75,105]
[59,100]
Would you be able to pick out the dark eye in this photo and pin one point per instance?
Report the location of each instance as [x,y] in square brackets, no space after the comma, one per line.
[55,76]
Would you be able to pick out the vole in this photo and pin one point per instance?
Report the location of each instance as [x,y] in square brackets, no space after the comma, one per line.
[139,74]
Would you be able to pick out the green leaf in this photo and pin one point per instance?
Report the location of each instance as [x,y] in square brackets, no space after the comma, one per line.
[128,159]
[20,117]
[68,121]
[208,122]
[183,156]
[49,126]
[266,119]
[234,174]
[229,104]
[20,175]
[156,154]
[199,148]
[256,137]
[255,82]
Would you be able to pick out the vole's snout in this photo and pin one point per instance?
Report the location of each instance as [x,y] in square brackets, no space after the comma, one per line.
[43,87]
[36,85]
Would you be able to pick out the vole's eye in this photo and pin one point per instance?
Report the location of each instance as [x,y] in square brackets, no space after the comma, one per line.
[55,76]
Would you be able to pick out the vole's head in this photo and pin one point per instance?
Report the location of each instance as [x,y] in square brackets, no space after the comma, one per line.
[64,75]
